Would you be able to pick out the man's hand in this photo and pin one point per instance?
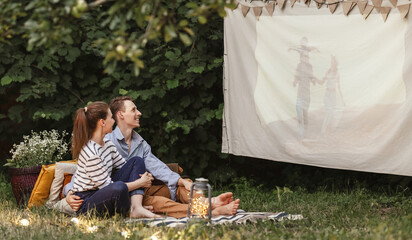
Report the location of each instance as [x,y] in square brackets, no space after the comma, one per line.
[187,184]
[145,180]
[74,201]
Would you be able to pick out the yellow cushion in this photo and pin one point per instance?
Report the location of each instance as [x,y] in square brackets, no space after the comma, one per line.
[41,189]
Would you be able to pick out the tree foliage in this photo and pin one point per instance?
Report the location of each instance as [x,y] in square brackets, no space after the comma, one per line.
[58,55]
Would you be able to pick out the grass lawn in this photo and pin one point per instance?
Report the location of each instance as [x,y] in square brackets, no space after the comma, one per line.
[356,213]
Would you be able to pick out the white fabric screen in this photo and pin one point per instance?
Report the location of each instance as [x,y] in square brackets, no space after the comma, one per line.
[308,87]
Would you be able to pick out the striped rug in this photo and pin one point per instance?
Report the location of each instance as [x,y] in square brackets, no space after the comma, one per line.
[241,217]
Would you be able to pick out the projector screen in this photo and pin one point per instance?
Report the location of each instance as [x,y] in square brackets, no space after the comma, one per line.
[305,86]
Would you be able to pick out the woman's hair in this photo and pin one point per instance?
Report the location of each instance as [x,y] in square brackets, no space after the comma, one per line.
[85,122]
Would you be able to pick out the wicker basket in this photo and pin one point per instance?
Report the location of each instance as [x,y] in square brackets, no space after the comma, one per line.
[22,182]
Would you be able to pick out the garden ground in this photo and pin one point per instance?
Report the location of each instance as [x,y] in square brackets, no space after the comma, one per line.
[351,213]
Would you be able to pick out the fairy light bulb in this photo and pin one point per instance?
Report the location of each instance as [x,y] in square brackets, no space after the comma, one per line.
[76,221]
[24,222]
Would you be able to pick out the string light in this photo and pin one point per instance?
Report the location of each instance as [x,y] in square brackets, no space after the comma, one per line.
[154,237]
[24,222]
[125,234]
[75,221]
[92,229]
[200,207]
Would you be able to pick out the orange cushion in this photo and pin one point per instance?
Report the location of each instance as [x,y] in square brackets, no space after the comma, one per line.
[67,179]
[41,189]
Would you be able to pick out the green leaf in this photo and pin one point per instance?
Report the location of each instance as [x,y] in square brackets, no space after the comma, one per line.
[196,69]
[185,39]
[202,19]
[73,53]
[185,101]
[14,113]
[123,92]
[170,55]
[6,80]
[172,83]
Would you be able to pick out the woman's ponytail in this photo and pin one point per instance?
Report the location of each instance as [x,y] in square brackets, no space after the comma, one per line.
[85,122]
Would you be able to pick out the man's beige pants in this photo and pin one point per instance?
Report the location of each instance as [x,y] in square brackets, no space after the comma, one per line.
[159,197]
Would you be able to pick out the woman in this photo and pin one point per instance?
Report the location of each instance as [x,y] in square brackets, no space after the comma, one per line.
[104,181]
[333,111]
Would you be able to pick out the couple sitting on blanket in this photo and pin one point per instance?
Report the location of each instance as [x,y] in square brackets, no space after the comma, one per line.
[116,168]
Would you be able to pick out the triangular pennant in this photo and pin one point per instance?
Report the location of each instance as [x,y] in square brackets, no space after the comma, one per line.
[377,3]
[362,5]
[368,9]
[332,7]
[270,7]
[236,5]
[319,5]
[404,9]
[394,2]
[280,3]
[257,11]
[307,2]
[354,2]
[347,7]
[245,10]
[384,11]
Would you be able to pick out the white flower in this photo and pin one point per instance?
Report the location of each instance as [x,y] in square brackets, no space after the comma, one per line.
[40,148]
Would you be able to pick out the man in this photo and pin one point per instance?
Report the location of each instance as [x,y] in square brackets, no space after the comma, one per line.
[159,199]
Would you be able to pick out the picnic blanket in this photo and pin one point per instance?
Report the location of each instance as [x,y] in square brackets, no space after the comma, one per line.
[241,217]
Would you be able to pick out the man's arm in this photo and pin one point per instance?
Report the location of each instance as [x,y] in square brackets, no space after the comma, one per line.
[160,170]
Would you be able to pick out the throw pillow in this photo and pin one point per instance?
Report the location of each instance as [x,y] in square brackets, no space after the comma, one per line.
[41,189]
[67,179]
[57,184]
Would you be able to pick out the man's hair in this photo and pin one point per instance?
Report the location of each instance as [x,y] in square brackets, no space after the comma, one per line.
[117,104]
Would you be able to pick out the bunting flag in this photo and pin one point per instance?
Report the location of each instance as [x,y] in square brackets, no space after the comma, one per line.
[368,9]
[257,11]
[362,5]
[404,9]
[377,3]
[347,7]
[236,5]
[334,101]
[270,7]
[281,3]
[333,4]
[245,10]
[384,11]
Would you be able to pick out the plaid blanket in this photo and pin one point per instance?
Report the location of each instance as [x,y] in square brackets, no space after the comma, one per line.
[241,217]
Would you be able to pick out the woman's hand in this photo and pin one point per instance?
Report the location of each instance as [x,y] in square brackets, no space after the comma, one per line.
[145,180]
[74,201]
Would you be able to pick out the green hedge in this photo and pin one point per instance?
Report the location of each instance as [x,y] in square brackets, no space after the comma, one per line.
[179,90]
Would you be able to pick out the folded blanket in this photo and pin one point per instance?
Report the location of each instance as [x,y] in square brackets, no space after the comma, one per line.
[241,217]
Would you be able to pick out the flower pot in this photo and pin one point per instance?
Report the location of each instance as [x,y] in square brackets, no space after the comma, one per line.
[22,182]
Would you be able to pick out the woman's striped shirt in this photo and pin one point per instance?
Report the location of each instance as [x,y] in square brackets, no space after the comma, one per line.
[94,168]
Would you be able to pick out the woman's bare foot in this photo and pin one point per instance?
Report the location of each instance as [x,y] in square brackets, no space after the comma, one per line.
[228,209]
[142,212]
[222,199]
